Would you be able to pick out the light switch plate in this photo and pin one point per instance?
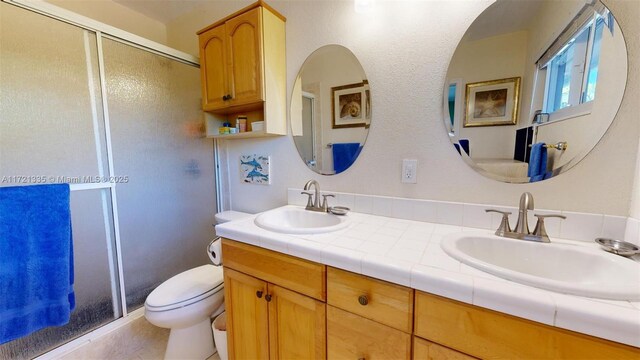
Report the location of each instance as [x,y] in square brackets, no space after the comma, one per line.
[409,171]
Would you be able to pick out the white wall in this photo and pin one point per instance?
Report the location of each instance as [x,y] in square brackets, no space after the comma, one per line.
[634,211]
[405,48]
[492,58]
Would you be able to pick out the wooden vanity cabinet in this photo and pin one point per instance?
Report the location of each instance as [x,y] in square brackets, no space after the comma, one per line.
[427,350]
[275,304]
[243,70]
[247,316]
[351,336]
[489,334]
[282,307]
[367,318]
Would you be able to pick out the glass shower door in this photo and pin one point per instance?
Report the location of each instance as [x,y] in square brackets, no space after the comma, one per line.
[57,125]
[52,130]
[166,205]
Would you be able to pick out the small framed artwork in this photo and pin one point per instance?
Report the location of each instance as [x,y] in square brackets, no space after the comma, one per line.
[254,169]
[351,105]
[491,103]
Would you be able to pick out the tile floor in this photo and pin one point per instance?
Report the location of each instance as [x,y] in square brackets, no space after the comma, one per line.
[138,340]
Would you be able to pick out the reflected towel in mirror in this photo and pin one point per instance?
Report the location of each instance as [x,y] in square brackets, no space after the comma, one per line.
[538,163]
[344,154]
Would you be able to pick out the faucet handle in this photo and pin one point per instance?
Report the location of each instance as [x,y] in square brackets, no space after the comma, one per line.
[325,206]
[309,201]
[540,229]
[504,223]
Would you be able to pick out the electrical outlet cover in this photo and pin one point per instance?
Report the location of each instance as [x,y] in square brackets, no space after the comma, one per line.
[409,171]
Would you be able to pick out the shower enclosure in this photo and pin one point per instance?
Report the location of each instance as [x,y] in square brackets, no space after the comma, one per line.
[121,124]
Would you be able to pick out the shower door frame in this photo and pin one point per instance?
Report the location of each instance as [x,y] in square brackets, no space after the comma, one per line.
[104,31]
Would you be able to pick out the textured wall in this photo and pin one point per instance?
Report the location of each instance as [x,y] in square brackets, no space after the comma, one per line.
[405,48]
[635,193]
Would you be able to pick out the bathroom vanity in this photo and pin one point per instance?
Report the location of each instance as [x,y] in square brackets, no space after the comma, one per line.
[284,306]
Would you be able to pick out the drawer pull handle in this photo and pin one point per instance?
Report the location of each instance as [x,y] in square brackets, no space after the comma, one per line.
[267,297]
[259,294]
[363,300]
[362,358]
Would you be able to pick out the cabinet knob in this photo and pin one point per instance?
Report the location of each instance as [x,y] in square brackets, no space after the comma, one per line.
[259,294]
[363,300]
[267,297]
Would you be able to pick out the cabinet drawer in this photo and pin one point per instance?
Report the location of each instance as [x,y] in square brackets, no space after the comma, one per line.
[426,350]
[299,275]
[383,302]
[350,336]
[485,334]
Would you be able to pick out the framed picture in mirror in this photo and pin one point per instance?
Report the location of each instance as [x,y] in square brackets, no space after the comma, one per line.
[491,103]
[350,105]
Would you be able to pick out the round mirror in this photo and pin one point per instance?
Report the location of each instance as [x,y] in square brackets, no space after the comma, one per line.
[533,86]
[330,110]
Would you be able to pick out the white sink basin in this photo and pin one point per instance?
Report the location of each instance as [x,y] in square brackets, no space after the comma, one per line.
[297,220]
[564,268]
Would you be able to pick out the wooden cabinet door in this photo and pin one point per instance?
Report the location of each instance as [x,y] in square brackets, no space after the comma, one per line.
[297,325]
[244,46]
[247,316]
[351,336]
[213,68]
[426,350]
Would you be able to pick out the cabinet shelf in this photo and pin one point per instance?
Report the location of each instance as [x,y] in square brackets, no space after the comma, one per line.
[244,135]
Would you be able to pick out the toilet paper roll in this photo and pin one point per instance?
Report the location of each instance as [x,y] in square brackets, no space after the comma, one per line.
[214,250]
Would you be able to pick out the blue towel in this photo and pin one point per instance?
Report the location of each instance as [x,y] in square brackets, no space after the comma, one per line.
[36,259]
[344,154]
[538,163]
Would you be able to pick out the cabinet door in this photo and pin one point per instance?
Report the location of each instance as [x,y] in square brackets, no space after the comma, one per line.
[350,336]
[426,350]
[247,316]
[244,41]
[297,325]
[213,68]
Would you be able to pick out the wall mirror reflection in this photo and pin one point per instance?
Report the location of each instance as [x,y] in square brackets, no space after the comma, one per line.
[533,86]
[330,110]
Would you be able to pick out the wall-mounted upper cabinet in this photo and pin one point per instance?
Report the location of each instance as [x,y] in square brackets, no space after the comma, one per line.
[243,70]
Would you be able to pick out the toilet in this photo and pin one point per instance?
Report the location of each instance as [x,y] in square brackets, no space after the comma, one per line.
[186,303]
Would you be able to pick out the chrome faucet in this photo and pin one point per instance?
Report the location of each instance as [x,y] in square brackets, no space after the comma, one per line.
[314,205]
[526,204]
[521,230]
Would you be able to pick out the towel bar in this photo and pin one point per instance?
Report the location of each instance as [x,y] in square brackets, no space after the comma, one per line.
[562,145]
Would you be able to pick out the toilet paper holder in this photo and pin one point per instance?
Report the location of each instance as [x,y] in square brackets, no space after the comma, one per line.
[214,251]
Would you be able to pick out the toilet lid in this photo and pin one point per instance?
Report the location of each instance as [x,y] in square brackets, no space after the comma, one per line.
[186,288]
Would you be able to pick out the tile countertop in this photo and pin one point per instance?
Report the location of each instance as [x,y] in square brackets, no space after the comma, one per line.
[408,253]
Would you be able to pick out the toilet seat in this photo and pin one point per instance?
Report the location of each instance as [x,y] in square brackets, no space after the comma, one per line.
[186,288]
